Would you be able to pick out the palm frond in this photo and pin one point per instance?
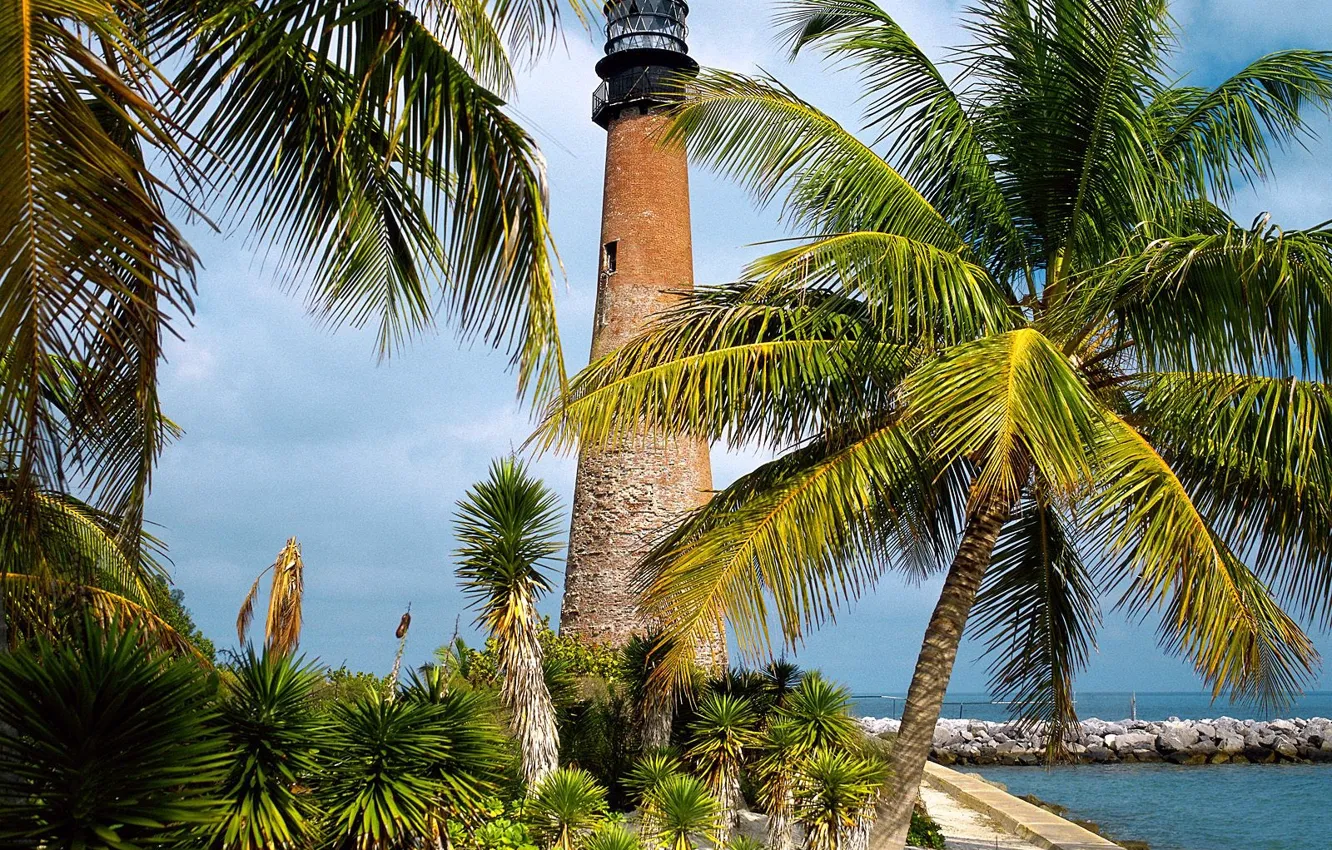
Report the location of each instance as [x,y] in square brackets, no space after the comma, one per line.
[739,363]
[813,529]
[761,133]
[1256,455]
[1038,613]
[936,144]
[1215,136]
[1006,398]
[1215,610]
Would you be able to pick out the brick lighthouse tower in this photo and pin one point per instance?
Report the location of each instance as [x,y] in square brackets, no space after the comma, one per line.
[627,494]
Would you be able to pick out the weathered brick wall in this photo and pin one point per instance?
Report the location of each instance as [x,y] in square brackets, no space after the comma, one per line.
[627,495]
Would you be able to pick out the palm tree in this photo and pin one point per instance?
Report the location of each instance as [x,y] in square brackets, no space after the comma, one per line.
[684,813]
[269,723]
[78,567]
[368,144]
[568,806]
[282,628]
[724,729]
[507,527]
[1021,344]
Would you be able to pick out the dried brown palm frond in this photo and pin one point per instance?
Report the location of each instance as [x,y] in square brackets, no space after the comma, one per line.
[282,627]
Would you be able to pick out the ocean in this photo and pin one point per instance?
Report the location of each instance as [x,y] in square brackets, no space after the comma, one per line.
[1188,705]
[1171,807]
[1211,807]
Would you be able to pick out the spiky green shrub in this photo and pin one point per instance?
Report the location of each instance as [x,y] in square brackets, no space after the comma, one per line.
[819,714]
[613,836]
[834,797]
[685,813]
[566,807]
[268,720]
[725,727]
[112,744]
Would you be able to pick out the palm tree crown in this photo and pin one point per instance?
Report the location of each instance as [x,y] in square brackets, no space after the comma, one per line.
[1022,343]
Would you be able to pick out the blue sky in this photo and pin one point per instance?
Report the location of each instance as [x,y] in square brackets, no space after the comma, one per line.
[294,430]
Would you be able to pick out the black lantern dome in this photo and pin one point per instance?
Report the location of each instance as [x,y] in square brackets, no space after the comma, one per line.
[646,50]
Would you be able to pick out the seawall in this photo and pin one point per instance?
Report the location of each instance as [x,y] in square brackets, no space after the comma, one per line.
[1221,741]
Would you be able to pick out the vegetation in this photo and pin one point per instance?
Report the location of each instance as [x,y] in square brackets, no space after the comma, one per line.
[366,143]
[282,627]
[507,527]
[1020,343]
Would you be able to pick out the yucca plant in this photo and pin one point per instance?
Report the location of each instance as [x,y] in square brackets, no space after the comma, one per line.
[781,755]
[835,792]
[647,775]
[380,783]
[109,743]
[685,813]
[724,729]
[566,807]
[781,677]
[613,836]
[282,626]
[1020,344]
[818,714]
[507,529]
[475,760]
[268,720]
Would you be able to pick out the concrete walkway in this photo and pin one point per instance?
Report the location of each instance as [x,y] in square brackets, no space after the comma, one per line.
[990,819]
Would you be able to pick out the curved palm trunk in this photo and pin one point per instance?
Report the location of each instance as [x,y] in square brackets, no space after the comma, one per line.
[934,668]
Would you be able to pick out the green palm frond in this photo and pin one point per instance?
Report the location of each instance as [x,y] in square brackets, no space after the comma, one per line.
[758,131]
[382,168]
[936,144]
[1216,611]
[91,266]
[1038,612]
[914,290]
[1226,133]
[1006,398]
[1256,455]
[739,363]
[813,529]
[1244,300]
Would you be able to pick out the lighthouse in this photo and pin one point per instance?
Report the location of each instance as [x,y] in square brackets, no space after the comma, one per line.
[627,494]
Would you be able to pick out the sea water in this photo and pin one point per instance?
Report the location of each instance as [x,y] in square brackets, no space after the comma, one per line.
[1173,807]
[1192,705]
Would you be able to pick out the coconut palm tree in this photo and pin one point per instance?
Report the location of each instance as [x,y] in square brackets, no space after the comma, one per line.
[569,805]
[507,528]
[721,733]
[1021,344]
[367,144]
[685,814]
[282,627]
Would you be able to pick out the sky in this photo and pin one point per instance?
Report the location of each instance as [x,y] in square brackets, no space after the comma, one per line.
[292,429]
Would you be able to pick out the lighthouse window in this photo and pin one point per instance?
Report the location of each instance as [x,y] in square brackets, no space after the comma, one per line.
[612,252]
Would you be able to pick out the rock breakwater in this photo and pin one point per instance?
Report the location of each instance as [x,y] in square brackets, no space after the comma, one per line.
[1221,741]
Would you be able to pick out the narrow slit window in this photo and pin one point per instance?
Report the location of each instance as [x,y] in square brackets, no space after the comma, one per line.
[612,256]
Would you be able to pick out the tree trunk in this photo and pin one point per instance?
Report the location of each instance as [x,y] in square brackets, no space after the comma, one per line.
[934,667]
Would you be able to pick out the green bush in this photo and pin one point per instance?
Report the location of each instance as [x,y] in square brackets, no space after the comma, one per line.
[924,832]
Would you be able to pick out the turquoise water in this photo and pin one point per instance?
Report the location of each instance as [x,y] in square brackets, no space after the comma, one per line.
[1112,706]
[1212,807]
